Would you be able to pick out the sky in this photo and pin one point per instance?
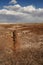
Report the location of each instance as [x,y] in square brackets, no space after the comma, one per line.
[21,11]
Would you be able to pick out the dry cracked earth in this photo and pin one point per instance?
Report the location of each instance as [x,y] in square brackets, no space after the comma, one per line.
[21,44]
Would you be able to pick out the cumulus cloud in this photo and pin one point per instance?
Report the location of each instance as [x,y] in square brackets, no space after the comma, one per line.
[13,7]
[16,13]
[12,2]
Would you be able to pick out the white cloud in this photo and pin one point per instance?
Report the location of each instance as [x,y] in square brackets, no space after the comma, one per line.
[13,7]
[29,8]
[16,13]
[13,1]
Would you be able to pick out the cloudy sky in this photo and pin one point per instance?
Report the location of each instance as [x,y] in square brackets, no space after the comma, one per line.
[18,11]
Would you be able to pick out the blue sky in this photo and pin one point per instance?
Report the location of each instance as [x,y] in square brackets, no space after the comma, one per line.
[13,11]
[36,3]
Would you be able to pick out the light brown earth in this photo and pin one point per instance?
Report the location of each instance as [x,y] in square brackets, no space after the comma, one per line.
[21,44]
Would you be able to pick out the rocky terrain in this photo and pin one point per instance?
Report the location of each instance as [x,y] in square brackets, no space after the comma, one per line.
[21,44]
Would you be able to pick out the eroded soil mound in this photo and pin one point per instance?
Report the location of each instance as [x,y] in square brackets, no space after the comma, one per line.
[21,44]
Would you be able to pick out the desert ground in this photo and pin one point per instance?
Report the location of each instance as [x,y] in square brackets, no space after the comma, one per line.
[21,44]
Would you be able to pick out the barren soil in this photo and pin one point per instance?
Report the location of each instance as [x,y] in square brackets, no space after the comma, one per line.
[21,44]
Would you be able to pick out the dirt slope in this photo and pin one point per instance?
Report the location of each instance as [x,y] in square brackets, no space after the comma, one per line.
[21,44]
